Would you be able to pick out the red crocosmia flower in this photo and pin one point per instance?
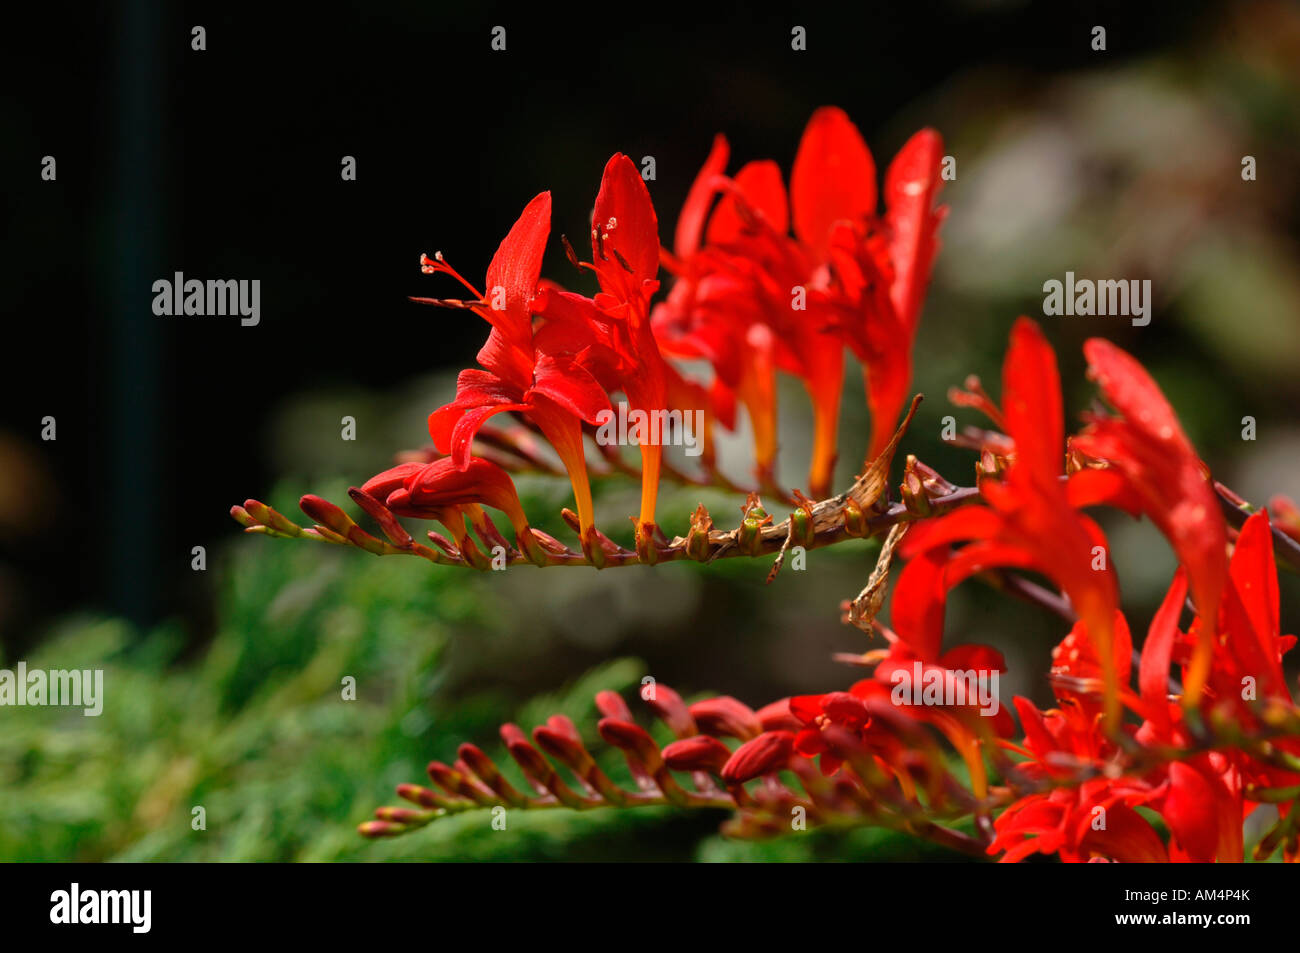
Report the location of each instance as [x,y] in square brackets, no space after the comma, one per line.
[1149,448]
[1062,822]
[1201,799]
[625,355]
[542,375]
[878,267]
[1030,522]
[1077,673]
[710,312]
[625,254]
[826,722]
[1250,622]
[883,270]
[1250,646]
[1059,744]
[917,615]
[817,712]
[846,275]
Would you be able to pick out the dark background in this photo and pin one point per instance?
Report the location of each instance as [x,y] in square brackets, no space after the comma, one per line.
[225,164]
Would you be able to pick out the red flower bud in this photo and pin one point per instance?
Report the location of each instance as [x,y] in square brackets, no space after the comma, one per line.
[698,753]
[778,717]
[611,705]
[670,708]
[441,484]
[762,755]
[630,737]
[382,484]
[725,717]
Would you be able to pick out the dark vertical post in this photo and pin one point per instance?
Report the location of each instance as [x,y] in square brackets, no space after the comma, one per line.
[131,260]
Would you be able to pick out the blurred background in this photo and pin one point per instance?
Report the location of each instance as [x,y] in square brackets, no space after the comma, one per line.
[223,685]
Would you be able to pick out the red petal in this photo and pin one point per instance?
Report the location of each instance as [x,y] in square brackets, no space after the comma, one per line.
[911,185]
[1157,651]
[806,708]
[833,178]
[382,484]
[571,386]
[1191,813]
[1127,838]
[1131,390]
[1149,446]
[624,201]
[475,388]
[1097,487]
[509,355]
[917,608]
[466,427]
[1031,402]
[973,657]
[443,483]
[690,223]
[845,708]
[517,265]
[1254,575]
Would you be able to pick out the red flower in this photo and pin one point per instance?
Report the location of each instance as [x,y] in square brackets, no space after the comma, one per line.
[818,712]
[625,258]
[881,267]
[1157,460]
[847,275]
[542,374]
[1030,522]
[1091,819]
[1246,660]
[1066,822]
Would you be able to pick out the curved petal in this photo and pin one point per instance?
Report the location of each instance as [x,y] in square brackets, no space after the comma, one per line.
[1127,837]
[1157,652]
[1031,402]
[917,605]
[517,265]
[1191,813]
[912,183]
[571,386]
[690,223]
[464,427]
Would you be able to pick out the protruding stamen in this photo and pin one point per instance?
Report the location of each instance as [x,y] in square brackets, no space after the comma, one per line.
[438,265]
